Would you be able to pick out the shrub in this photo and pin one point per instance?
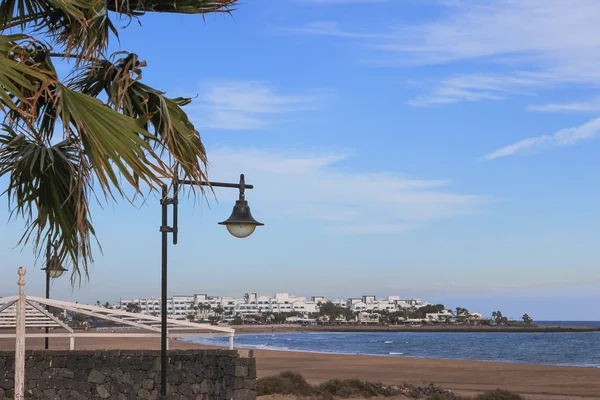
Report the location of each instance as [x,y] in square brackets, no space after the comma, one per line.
[443,396]
[347,388]
[499,394]
[439,396]
[284,383]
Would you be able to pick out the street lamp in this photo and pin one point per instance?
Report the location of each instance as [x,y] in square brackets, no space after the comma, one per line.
[53,270]
[240,224]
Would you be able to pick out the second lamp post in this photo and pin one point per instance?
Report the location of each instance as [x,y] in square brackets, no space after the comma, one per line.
[53,270]
[240,224]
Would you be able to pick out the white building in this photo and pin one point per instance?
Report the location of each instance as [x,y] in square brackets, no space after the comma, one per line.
[439,317]
[198,305]
[203,306]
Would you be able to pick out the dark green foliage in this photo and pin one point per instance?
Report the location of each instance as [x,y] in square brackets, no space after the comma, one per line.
[284,383]
[438,396]
[133,308]
[291,383]
[347,388]
[421,312]
[499,394]
[333,312]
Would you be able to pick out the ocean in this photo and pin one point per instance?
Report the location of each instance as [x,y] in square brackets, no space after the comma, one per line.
[567,349]
[595,324]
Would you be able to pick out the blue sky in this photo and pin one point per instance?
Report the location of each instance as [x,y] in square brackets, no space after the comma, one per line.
[437,149]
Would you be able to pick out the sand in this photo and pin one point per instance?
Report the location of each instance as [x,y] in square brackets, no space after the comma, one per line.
[537,382]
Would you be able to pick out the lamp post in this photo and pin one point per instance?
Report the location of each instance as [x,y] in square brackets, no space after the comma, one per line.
[240,224]
[53,270]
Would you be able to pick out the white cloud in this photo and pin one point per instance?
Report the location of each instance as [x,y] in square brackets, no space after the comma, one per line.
[539,43]
[564,137]
[244,105]
[592,105]
[533,30]
[332,28]
[313,186]
[449,94]
[336,2]
[535,44]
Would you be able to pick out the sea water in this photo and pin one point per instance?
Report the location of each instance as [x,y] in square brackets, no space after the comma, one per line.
[562,348]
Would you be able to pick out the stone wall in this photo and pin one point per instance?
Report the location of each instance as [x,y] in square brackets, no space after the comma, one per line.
[131,374]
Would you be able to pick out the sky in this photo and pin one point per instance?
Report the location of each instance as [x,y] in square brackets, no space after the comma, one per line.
[439,149]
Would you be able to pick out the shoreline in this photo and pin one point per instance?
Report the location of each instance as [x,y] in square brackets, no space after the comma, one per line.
[410,329]
[535,382]
[400,355]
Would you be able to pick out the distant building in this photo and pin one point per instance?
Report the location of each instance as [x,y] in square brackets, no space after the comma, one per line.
[201,305]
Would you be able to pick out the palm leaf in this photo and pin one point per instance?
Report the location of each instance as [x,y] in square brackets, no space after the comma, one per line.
[138,7]
[22,78]
[122,140]
[112,142]
[49,187]
[174,131]
[79,27]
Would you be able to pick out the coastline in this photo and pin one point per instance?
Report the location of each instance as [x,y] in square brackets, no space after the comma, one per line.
[413,328]
[535,382]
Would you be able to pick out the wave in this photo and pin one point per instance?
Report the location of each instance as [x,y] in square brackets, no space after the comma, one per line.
[430,346]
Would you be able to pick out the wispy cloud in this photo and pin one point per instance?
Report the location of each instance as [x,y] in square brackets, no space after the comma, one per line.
[564,137]
[532,45]
[450,94]
[478,87]
[592,105]
[332,28]
[336,2]
[247,105]
[539,44]
[309,186]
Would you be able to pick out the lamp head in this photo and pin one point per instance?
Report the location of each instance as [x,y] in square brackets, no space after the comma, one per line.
[241,224]
[54,269]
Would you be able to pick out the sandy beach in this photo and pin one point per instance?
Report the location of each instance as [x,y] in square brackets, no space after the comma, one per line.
[537,382]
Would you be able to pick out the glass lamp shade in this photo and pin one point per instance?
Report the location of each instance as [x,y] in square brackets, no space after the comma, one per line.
[56,273]
[241,230]
[241,224]
[54,269]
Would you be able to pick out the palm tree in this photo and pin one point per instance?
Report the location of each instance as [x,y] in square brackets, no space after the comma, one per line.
[497,316]
[191,308]
[59,141]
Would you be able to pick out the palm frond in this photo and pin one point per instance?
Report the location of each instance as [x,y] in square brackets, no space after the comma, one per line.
[124,140]
[174,131]
[23,78]
[49,187]
[78,27]
[115,144]
[139,7]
